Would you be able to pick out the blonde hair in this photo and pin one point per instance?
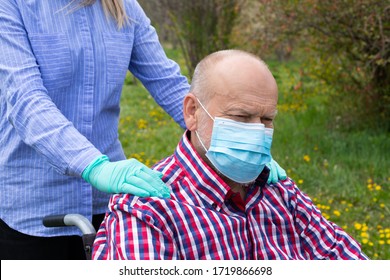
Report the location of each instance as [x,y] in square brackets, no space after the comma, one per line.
[113,8]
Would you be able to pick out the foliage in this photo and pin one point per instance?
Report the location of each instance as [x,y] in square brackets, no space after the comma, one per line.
[202,26]
[343,43]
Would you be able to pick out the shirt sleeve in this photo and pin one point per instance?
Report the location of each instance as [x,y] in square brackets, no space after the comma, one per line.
[160,75]
[321,238]
[133,235]
[29,109]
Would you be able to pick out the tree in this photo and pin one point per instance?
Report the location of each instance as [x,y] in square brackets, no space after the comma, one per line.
[202,26]
[345,42]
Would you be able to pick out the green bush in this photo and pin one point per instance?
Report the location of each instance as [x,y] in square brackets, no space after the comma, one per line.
[343,43]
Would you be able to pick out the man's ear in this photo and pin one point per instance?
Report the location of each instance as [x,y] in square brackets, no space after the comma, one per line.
[189,110]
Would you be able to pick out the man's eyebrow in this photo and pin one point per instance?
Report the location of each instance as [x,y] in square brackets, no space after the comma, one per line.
[238,110]
[243,111]
[271,115]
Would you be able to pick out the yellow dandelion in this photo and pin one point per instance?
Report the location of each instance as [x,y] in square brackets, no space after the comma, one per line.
[358,226]
[369,181]
[382,205]
[142,124]
[371,243]
[300,181]
[364,234]
[306,158]
[378,187]
[336,213]
[388,241]
[326,216]
[364,240]
[381,242]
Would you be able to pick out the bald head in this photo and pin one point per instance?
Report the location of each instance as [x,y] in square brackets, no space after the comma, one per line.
[224,71]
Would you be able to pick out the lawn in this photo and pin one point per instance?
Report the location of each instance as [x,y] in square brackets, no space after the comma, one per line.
[345,172]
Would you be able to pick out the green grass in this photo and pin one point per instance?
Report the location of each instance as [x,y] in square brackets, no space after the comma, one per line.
[346,173]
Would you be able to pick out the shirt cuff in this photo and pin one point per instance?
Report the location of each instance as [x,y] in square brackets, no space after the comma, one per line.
[79,163]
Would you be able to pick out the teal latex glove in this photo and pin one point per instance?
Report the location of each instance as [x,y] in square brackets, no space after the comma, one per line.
[126,176]
[276,172]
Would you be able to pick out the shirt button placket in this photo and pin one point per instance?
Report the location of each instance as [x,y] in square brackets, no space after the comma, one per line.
[87,91]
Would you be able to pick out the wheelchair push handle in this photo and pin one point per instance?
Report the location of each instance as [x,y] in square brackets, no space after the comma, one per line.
[70,220]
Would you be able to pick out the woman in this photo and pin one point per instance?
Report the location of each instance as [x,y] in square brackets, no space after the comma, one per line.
[62,67]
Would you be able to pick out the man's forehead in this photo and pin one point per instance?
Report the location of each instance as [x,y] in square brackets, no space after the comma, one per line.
[242,103]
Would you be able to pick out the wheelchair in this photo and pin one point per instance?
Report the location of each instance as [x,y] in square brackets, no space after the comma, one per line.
[85,226]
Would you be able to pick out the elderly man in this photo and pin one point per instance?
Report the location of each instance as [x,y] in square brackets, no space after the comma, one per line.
[221,205]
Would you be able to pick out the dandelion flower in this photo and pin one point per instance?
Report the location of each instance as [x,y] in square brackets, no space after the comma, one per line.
[142,124]
[306,158]
[337,213]
[358,226]
[326,216]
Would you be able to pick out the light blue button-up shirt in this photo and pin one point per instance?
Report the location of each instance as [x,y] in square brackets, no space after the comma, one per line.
[61,77]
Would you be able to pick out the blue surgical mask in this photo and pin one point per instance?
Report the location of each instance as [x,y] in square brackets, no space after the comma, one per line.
[238,150]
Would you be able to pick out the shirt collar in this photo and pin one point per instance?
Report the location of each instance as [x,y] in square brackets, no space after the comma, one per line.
[207,182]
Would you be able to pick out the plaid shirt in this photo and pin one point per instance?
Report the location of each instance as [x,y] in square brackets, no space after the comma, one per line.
[204,219]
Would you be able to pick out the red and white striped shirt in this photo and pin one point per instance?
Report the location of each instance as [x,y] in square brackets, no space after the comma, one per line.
[204,219]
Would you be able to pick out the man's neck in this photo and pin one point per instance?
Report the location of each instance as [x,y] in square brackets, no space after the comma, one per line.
[242,189]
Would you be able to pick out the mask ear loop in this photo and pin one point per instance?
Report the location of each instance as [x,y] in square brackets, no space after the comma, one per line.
[201,142]
[196,131]
[201,105]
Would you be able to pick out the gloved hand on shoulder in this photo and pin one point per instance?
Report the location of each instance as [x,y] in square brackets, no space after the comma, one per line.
[276,172]
[125,176]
